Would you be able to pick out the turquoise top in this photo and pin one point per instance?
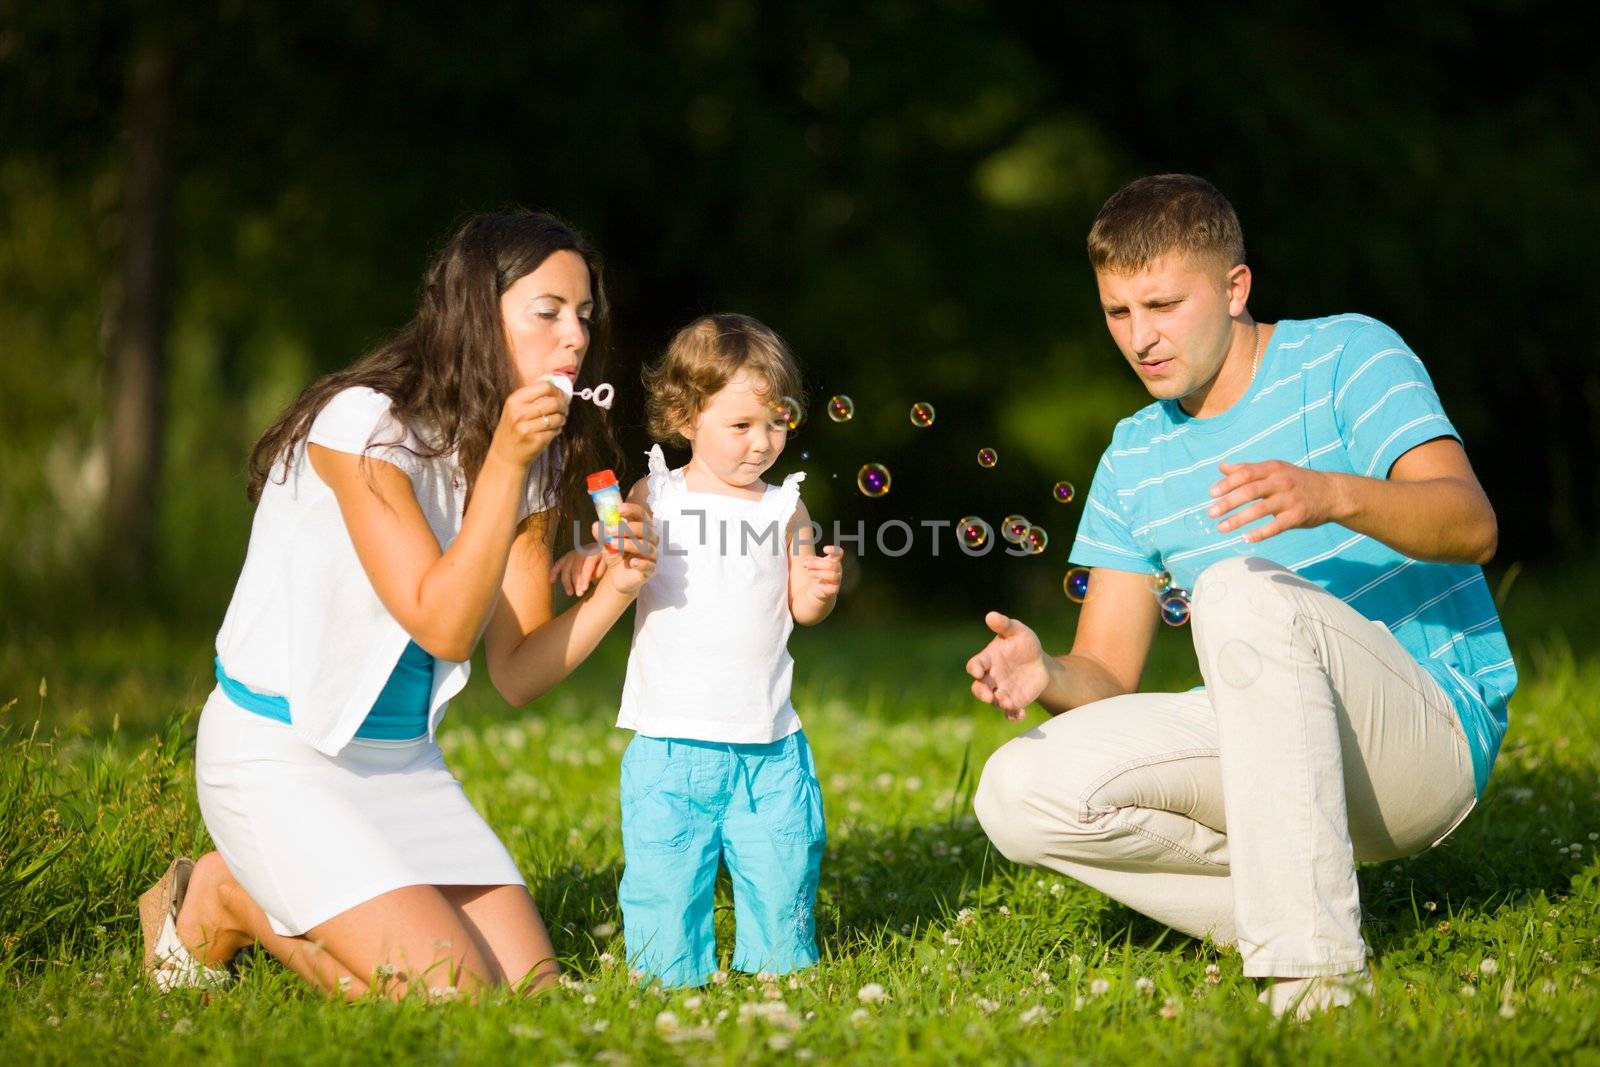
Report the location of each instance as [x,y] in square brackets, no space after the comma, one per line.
[399,714]
[1341,394]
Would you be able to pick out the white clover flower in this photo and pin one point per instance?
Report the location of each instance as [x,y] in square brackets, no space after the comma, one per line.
[1145,986]
[607,959]
[779,1042]
[986,1006]
[1169,1008]
[603,929]
[1489,966]
[860,1017]
[1057,889]
[1213,974]
[766,977]
[966,917]
[1003,910]
[772,992]
[589,998]
[1035,1014]
[1430,906]
[692,1003]
[719,977]
[1469,991]
[871,993]
[666,1023]
[1099,987]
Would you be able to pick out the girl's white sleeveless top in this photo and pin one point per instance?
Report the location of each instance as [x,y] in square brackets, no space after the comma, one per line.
[710,658]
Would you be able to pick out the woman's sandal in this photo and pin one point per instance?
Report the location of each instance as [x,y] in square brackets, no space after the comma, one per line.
[167,961]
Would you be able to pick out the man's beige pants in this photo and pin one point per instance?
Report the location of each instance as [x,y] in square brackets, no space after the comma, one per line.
[1240,811]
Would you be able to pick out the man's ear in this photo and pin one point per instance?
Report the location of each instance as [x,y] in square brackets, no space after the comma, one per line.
[1238,289]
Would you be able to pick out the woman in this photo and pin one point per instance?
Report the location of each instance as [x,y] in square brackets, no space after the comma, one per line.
[407,505]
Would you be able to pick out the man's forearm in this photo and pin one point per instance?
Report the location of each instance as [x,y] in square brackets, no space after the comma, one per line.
[1439,520]
[1076,680]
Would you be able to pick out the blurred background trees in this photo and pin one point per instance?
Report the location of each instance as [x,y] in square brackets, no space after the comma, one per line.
[204,207]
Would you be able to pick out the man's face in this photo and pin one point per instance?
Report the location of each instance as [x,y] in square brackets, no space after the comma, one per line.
[1173,322]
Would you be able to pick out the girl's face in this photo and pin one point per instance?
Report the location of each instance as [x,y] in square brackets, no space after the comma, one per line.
[738,436]
[546,315]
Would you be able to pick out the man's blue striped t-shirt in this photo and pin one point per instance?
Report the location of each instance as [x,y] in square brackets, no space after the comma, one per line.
[1342,394]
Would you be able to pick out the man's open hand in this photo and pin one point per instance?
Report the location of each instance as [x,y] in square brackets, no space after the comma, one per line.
[1010,672]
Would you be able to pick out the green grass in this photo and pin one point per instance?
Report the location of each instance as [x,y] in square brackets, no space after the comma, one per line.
[981,961]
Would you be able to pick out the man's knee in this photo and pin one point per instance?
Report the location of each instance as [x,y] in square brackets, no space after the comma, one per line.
[1231,579]
[1004,806]
[1242,587]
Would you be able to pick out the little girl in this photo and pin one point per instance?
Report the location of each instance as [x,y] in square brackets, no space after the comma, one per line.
[719,767]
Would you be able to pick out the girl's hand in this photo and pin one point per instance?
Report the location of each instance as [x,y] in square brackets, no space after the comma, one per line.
[635,548]
[826,572]
[530,419]
[577,570]
[1010,672]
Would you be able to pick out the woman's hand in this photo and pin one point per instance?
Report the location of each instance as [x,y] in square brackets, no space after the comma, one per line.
[577,570]
[633,549]
[530,419]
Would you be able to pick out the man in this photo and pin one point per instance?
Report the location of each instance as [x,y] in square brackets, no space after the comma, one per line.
[1302,480]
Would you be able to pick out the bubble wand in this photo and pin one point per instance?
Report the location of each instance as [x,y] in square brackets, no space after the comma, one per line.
[600,396]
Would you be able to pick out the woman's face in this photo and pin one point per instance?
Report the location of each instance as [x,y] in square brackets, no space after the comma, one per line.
[546,315]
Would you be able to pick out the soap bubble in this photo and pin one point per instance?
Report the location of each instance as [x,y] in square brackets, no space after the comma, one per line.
[1036,539]
[1076,584]
[841,408]
[873,479]
[788,411]
[973,531]
[1175,608]
[921,415]
[1015,529]
[1159,582]
[1064,492]
[988,457]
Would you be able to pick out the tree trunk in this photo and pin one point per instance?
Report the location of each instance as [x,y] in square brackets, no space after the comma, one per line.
[137,345]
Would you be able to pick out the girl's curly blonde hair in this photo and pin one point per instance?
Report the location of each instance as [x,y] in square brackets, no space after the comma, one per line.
[703,357]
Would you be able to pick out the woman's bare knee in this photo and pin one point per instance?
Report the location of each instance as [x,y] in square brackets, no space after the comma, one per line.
[509,931]
[405,940]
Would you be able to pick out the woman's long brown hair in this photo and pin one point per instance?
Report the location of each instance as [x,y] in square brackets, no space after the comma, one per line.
[447,372]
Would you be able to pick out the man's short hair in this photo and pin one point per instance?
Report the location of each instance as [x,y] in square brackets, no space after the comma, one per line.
[1149,217]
